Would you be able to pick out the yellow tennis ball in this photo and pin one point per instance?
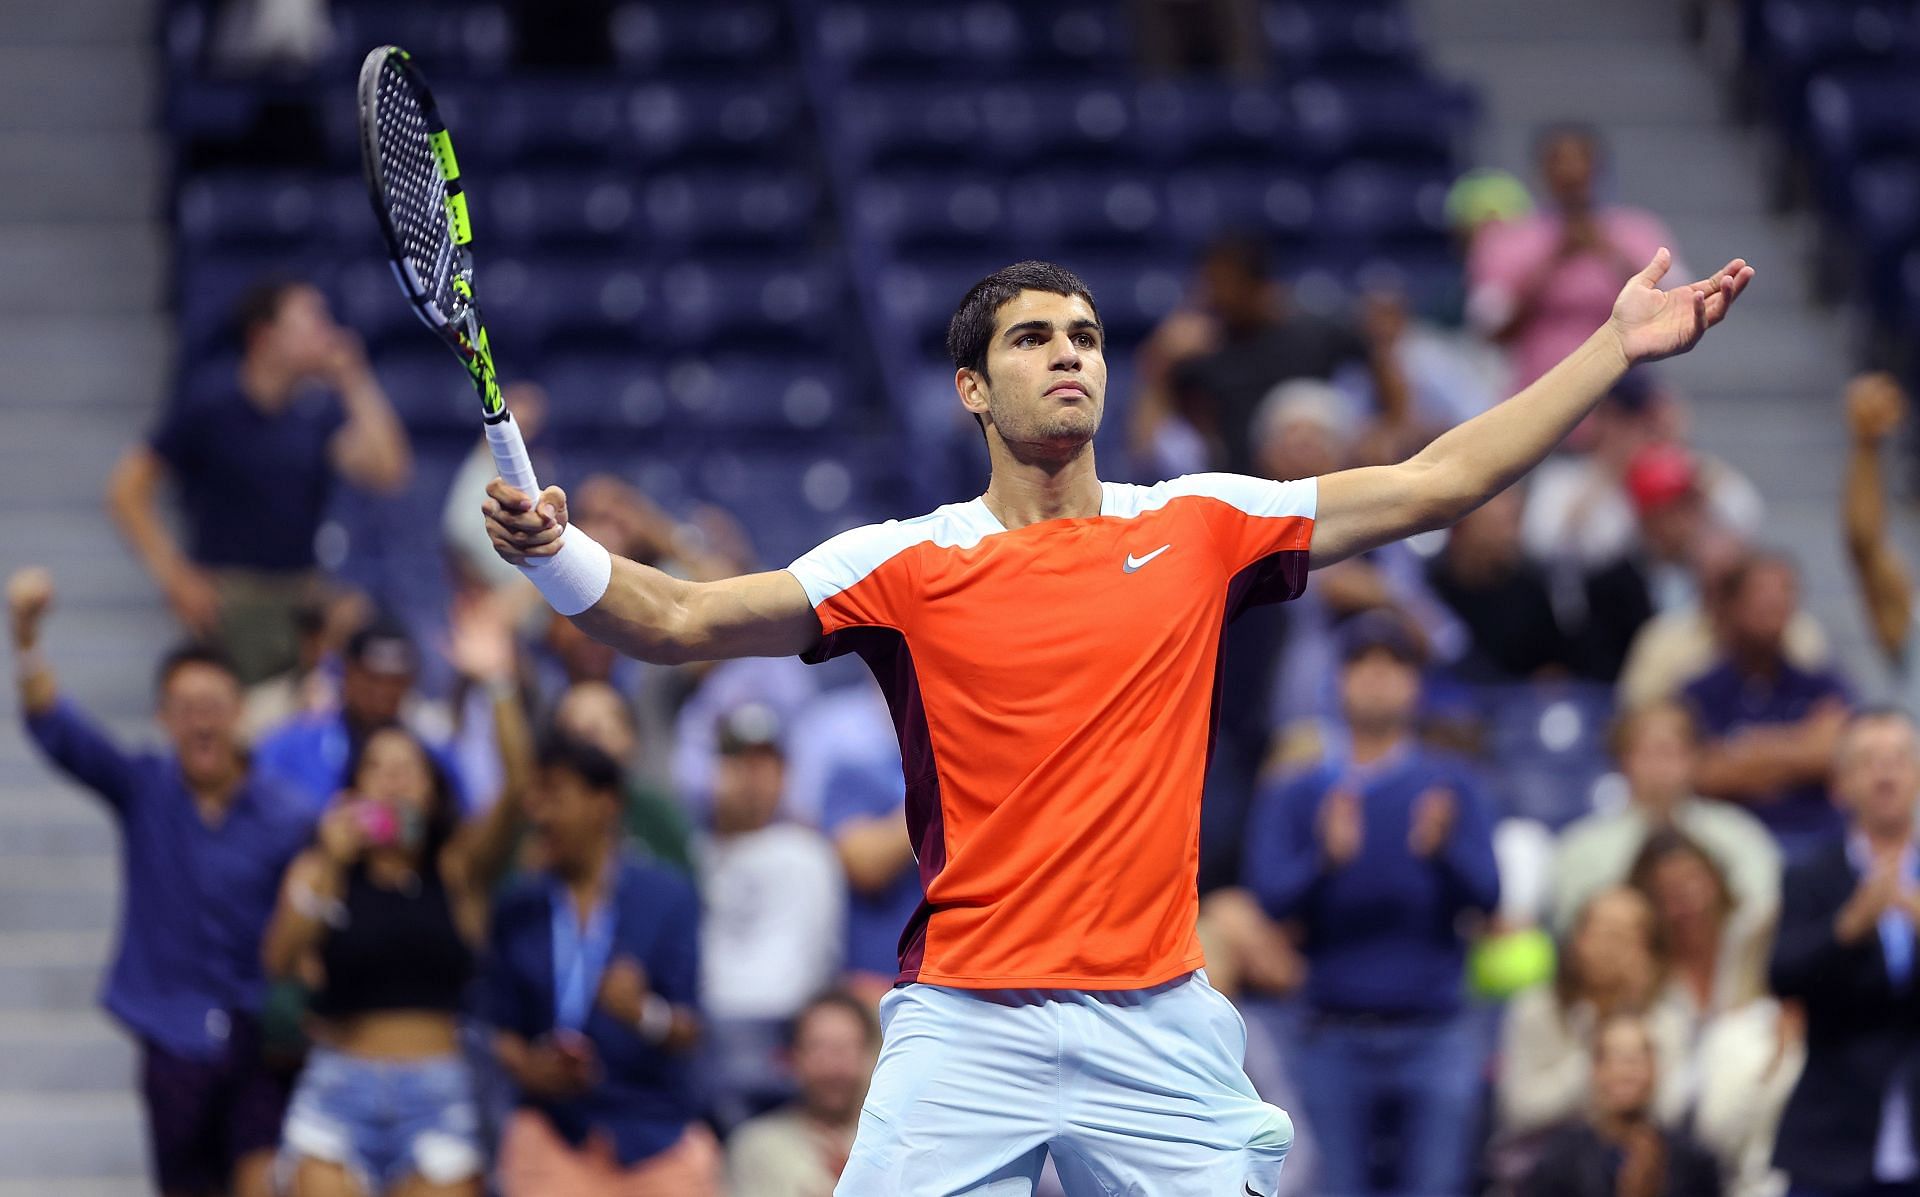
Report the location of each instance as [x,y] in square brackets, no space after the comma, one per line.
[1502,965]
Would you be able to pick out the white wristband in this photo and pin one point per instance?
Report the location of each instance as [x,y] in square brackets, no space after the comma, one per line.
[574,578]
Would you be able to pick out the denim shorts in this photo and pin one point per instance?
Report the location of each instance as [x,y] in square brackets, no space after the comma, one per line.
[386,1120]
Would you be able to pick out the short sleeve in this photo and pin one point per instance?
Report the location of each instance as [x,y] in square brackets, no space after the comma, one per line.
[863,578]
[1258,520]
[174,439]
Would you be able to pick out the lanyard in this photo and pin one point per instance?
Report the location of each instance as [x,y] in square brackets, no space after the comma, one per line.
[579,957]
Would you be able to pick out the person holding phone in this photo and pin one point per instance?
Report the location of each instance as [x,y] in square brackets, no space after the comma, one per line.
[383,917]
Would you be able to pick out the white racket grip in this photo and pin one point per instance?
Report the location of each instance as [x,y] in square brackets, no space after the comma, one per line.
[574,578]
[510,457]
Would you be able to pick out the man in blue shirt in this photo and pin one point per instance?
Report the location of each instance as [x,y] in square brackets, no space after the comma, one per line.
[311,754]
[1375,854]
[204,842]
[254,459]
[592,988]
[1770,727]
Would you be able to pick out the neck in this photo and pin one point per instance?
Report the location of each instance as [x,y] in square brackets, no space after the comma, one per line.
[264,383]
[586,880]
[839,1122]
[1372,743]
[1658,807]
[1889,839]
[1030,491]
[214,795]
[1757,661]
[1617,1125]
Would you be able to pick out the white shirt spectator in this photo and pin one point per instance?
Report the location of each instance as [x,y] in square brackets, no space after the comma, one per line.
[771,936]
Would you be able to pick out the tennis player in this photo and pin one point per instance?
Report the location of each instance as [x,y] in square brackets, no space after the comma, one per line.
[1049,652]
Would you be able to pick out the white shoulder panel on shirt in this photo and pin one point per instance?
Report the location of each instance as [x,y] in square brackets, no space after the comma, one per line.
[839,563]
[1254,496]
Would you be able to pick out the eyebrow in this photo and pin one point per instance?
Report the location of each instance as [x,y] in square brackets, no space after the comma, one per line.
[1046,326]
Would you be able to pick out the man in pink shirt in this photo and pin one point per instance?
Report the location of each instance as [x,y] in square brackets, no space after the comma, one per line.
[1539,285]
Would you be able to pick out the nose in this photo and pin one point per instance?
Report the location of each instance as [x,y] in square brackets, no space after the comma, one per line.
[1066,355]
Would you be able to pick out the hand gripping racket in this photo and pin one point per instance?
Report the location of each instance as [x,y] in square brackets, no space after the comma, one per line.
[414,180]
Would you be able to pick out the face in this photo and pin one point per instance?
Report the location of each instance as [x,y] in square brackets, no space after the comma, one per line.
[583,657]
[1877,774]
[832,1061]
[1490,534]
[1688,893]
[1302,449]
[372,697]
[1764,606]
[594,713]
[747,788]
[1614,941]
[1671,529]
[1232,293]
[570,820]
[394,769]
[1567,163]
[200,710]
[1379,690]
[1623,1070]
[1658,756]
[302,332]
[1048,375]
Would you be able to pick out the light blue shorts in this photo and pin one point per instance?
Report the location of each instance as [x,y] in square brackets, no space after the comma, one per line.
[384,1121]
[1137,1093]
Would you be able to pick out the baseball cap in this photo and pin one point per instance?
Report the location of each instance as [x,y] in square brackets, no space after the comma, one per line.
[1659,475]
[751,726]
[1380,629]
[384,647]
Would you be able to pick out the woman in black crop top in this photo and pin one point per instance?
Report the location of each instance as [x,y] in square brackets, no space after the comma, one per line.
[383,916]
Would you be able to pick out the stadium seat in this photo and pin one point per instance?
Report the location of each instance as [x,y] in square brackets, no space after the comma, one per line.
[1375,202]
[659,38]
[909,213]
[233,209]
[714,123]
[728,207]
[1412,119]
[429,391]
[874,40]
[1076,210]
[1359,35]
[1202,122]
[447,40]
[1204,204]
[712,302]
[595,395]
[565,211]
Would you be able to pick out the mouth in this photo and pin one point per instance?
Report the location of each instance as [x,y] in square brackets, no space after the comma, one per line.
[1063,389]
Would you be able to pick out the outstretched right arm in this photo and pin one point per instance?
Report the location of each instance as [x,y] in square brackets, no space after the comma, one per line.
[651,615]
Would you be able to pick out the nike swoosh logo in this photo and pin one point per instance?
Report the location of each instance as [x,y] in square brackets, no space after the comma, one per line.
[1134,563]
[1249,1190]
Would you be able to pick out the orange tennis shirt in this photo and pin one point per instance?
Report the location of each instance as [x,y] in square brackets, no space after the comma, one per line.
[1054,691]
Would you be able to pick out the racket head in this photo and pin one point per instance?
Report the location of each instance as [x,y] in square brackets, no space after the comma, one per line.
[414,182]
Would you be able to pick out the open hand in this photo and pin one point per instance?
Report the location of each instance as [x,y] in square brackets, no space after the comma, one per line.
[480,640]
[1653,324]
[623,990]
[517,528]
[1434,814]
[1342,833]
[194,598]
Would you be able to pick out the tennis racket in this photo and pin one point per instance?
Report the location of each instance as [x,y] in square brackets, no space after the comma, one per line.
[414,180]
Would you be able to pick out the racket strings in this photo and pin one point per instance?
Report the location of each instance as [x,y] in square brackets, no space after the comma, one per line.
[416,193]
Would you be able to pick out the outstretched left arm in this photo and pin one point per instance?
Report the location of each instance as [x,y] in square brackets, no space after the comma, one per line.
[1365,508]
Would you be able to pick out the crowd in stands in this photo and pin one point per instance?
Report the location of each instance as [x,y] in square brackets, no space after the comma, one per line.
[1547,855]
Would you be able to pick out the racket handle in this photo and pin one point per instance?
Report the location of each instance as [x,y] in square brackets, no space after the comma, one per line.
[510,457]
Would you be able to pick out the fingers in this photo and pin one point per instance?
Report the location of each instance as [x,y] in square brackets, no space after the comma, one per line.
[508,496]
[1656,269]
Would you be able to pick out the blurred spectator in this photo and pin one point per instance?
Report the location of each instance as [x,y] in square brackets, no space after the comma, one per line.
[254,461]
[1770,726]
[800,1149]
[1620,1149]
[866,816]
[846,728]
[595,713]
[1716,952]
[1451,374]
[1748,1061]
[311,686]
[1846,950]
[1259,341]
[186,979]
[1876,405]
[775,912]
[1541,284]
[1657,749]
[1610,964]
[1378,852]
[1502,597]
[461,525]
[383,917]
[313,753]
[591,986]
[1203,37]
[784,686]
[1679,644]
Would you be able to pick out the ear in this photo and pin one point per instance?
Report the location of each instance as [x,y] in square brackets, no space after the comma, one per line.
[973,389]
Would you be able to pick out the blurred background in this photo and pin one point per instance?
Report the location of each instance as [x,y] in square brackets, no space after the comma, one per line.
[717,244]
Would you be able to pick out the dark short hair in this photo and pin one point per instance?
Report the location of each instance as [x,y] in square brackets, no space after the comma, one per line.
[585,761]
[836,999]
[1727,586]
[443,804]
[1245,252]
[259,305]
[1670,842]
[971,329]
[184,655]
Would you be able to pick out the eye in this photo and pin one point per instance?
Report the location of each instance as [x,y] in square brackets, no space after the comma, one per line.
[1085,340]
[1027,341]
